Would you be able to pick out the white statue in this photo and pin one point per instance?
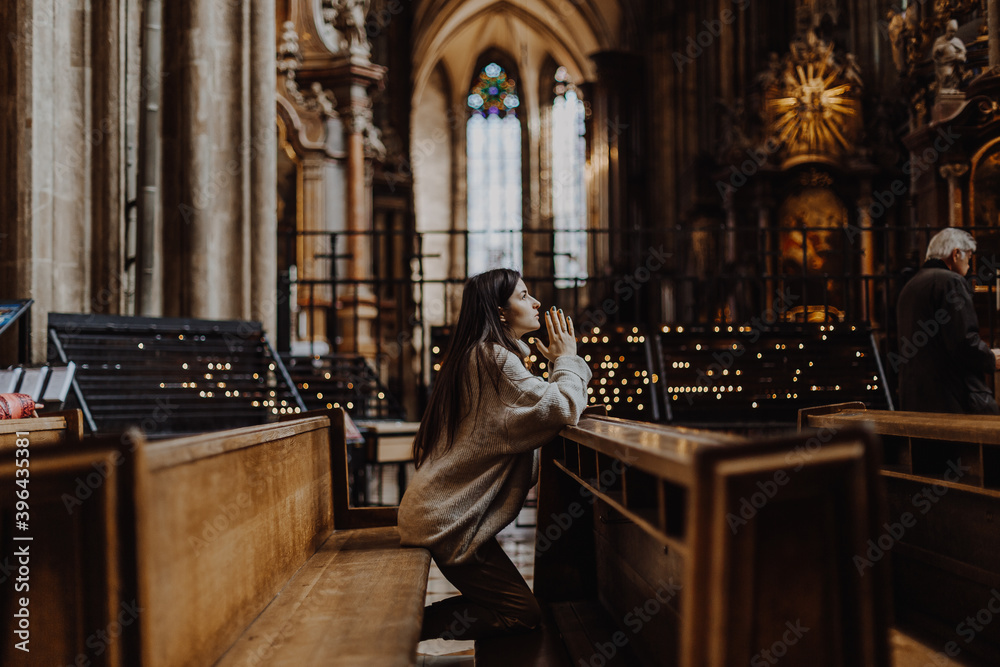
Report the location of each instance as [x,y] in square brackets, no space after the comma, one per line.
[351,20]
[948,52]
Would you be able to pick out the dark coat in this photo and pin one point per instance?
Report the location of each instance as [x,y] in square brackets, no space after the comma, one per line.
[942,360]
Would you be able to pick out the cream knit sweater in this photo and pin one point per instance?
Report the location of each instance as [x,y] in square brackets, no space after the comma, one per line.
[459,500]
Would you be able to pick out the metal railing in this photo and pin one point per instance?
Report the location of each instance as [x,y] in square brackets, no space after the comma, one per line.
[711,274]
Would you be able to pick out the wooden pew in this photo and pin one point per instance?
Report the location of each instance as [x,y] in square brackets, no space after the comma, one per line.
[78,582]
[669,546]
[50,428]
[220,548]
[942,478]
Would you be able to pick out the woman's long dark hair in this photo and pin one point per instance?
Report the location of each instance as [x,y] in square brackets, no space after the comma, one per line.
[478,327]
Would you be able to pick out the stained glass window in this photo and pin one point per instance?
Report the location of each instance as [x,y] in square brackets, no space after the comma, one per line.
[569,192]
[493,135]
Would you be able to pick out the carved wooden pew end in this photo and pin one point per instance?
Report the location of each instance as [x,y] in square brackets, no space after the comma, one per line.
[213,548]
[668,546]
[941,475]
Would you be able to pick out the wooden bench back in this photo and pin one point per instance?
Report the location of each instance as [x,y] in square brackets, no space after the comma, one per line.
[725,543]
[171,548]
[345,516]
[52,428]
[229,518]
[83,590]
[941,474]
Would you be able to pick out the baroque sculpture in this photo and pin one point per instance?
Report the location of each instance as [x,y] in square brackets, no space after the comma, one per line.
[948,53]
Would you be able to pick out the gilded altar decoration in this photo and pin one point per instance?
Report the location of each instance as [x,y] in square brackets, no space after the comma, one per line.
[811,242]
[813,103]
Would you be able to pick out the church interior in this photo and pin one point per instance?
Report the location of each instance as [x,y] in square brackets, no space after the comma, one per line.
[234,236]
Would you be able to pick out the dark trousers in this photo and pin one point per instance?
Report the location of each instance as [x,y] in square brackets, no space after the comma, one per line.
[494,599]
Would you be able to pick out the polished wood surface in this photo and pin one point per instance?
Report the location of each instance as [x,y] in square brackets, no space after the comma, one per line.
[979,429]
[941,475]
[229,518]
[706,549]
[180,545]
[80,577]
[359,601]
[52,428]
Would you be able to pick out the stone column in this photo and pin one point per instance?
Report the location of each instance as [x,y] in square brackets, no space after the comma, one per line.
[223,287]
[108,158]
[351,81]
[206,162]
[187,152]
[149,272]
[263,168]
[764,225]
[953,172]
[315,300]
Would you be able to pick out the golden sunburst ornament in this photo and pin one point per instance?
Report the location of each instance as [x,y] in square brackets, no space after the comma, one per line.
[813,108]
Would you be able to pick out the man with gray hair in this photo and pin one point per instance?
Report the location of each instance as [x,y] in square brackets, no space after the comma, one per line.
[942,360]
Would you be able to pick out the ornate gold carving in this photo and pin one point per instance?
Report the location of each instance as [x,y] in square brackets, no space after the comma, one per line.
[812,104]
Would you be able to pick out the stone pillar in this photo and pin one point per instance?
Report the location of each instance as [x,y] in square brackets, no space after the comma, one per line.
[263,168]
[108,166]
[764,225]
[149,272]
[953,172]
[351,80]
[313,249]
[187,155]
[206,165]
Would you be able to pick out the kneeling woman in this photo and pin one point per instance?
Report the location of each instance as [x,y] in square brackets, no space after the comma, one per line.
[475,452]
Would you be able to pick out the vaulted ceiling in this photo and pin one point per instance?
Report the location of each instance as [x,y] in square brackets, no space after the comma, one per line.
[452,33]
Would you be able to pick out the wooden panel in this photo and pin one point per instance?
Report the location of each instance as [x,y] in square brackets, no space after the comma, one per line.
[358,602]
[661,450]
[83,589]
[53,428]
[780,543]
[344,516]
[230,518]
[591,635]
[984,429]
[953,522]
[641,587]
[564,540]
[953,609]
